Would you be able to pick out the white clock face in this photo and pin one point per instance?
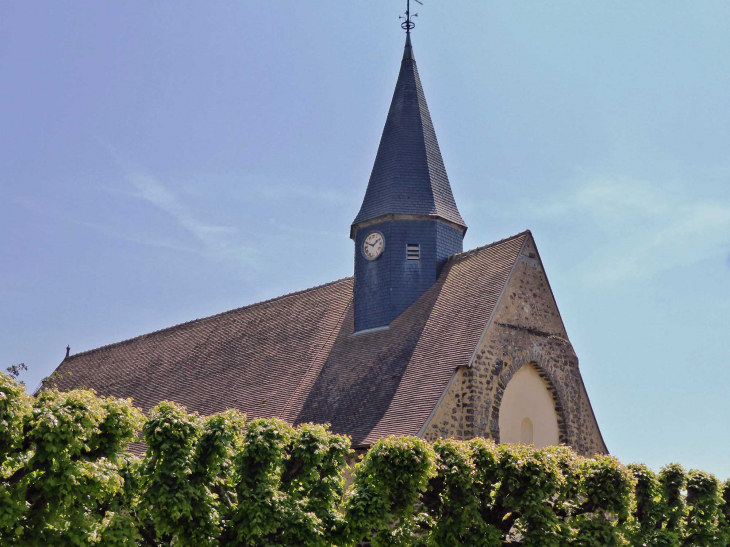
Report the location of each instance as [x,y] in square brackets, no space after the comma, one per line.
[373,246]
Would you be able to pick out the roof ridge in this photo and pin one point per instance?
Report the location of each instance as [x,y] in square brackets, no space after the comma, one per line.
[200,319]
[465,254]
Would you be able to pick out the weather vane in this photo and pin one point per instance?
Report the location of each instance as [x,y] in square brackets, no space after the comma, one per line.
[408,25]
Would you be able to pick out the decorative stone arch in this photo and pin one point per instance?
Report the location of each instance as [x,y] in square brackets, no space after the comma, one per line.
[535,359]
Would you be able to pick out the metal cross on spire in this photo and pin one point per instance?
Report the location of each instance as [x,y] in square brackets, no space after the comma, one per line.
[408,25]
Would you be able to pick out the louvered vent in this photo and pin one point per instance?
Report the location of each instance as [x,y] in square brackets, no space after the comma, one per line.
[413,251]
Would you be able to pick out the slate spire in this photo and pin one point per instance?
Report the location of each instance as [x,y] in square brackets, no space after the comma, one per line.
[408,178]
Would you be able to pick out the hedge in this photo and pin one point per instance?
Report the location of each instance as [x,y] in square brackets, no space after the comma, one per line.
[65,479]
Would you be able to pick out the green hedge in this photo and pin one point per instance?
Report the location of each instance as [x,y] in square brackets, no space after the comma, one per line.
[216,480]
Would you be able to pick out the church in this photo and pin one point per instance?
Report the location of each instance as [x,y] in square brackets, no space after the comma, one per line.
[425,339]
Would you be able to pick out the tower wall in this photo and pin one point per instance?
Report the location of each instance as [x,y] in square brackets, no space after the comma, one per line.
[385,287]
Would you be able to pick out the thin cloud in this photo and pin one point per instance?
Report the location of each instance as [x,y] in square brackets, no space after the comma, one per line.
[281,226]
[158,243]
[151,190]
[218,242]
[215,241]
[282,191]
[641,228]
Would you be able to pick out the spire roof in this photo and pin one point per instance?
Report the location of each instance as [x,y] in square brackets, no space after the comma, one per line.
[408,177]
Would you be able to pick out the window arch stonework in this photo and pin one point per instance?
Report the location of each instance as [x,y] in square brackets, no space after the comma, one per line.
[534,358]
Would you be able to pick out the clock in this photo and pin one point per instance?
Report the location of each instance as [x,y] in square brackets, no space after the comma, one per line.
[373,245]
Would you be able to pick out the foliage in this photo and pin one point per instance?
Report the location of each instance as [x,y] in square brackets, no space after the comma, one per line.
[66,479]
[703,503]
[724,517]
[605,500]
[61,465]
[289,483]
[453,500]
[673,480]
[183,492]
[649,509]
[387,485]
[16,370]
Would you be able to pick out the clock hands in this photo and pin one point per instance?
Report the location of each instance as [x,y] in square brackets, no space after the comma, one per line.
[372,246]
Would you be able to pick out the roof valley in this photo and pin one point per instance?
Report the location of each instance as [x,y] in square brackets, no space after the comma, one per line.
[294,403]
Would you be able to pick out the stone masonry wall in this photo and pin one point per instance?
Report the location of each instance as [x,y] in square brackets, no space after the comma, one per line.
[526,328]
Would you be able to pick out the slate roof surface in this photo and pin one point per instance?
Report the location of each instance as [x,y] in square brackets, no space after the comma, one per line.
[409,177]
[295,356]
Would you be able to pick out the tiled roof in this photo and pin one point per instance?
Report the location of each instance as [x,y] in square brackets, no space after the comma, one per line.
[296,357]
[409,177]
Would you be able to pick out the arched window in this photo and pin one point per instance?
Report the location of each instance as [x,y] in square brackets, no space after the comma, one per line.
[526,431]
[527,411]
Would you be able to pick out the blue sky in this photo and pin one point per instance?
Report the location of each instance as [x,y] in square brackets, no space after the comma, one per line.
[163,161]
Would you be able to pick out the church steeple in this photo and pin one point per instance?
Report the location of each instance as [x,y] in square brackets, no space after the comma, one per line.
[408,177]
[408,224]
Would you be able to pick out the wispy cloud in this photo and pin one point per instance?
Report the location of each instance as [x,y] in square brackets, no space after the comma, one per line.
[114,233]
[214,241]
[217,241]
[642,227]
[283,227]
[207,240]
[285,191]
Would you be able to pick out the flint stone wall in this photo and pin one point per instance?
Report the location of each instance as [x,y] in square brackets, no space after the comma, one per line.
[526,328]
